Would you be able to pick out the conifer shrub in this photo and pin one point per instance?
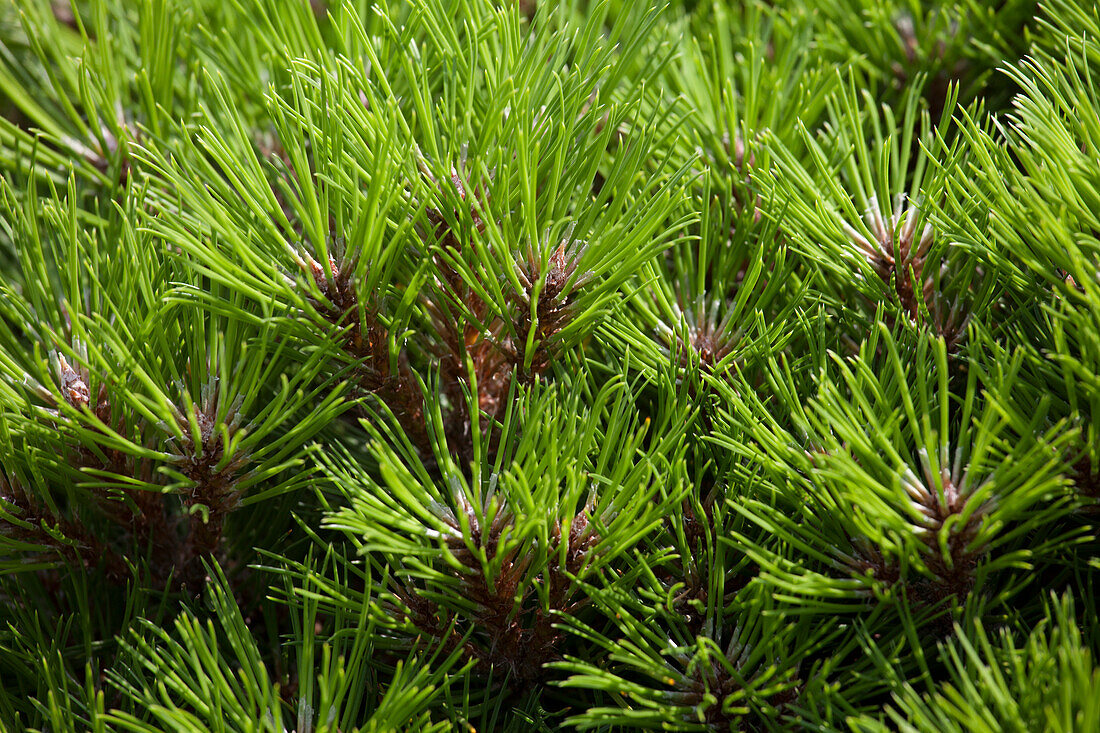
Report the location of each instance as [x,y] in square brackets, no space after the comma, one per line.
[482,365]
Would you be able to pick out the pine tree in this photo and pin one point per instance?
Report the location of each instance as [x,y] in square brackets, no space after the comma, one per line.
[471,365]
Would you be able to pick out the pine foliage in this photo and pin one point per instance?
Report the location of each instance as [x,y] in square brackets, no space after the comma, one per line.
[475,365]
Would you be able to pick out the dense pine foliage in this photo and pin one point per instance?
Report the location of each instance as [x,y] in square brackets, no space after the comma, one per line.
[521,365]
